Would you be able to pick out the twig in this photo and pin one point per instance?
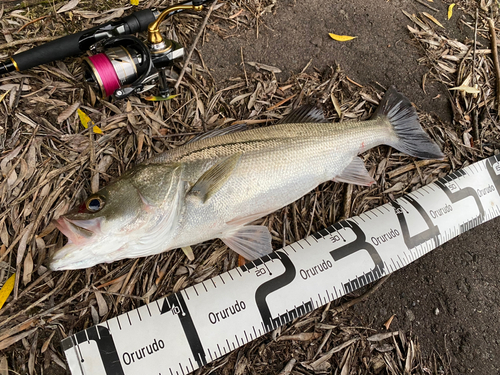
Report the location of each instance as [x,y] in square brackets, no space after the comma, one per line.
[243,63]
[27,41]
[188,58]
[31,22]
[427,5]
[361,298]
[475,122]
[494,51]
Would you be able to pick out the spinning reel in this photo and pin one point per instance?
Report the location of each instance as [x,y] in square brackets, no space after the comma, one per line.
[120,63]
[123,65]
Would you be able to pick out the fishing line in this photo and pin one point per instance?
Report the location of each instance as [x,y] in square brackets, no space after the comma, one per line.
[104,72]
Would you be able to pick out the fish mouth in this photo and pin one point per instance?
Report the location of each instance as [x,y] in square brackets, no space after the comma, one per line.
[76,234]
[67,256]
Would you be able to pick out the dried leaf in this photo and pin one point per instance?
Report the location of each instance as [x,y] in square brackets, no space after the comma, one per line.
[86,120]
[467,89]
[341,38]
[10,86]
[7,289]
[13,339]
[432,19]
[259,66]
[67,112]
[101,303]
[72,4]
[4,366]
[389,321]
[382,336]
[47,342]
[450,10]
[304,336]
[28,268]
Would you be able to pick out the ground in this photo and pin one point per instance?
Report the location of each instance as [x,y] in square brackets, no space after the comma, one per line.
[447,302]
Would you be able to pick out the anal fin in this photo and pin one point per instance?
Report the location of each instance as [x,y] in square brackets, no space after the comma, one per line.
[355,173]
[250,241]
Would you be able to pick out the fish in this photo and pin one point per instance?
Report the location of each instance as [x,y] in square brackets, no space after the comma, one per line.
[218,184]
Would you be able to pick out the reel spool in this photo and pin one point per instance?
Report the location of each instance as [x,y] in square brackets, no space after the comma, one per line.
[124,61]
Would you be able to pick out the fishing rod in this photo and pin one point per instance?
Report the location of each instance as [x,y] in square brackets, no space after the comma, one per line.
[119,64]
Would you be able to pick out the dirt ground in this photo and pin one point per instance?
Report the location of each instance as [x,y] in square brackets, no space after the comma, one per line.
[449,299]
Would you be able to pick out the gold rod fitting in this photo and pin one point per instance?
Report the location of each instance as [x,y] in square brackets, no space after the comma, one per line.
[14,63]
[154,36]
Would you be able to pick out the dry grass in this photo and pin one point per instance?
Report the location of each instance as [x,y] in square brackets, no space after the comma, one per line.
[49,163]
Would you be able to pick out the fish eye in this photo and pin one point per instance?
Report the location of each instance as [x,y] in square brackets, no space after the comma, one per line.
[95,204]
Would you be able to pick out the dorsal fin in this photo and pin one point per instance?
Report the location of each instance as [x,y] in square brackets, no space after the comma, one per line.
[217,132]
[305,113]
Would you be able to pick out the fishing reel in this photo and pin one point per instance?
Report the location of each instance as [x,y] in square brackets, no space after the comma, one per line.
[122,65]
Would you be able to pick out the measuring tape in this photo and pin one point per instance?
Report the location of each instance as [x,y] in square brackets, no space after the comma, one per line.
[188,329]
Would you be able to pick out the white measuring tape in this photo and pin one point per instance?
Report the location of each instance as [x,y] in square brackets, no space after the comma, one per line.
[186,330]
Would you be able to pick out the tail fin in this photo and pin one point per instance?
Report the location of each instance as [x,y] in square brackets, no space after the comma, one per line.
[412,139]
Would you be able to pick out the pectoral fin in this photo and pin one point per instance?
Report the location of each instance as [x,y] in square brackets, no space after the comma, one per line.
[355,173]
[213,179]
[250,241]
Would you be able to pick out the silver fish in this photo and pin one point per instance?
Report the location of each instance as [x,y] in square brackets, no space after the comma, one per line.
[213,187]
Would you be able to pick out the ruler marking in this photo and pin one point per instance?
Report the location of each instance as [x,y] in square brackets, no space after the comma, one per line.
[171,373]
[182,370]
[194,287]
[306,241]
[191,363]
[139,315]
[149,311]
[223,282]
[210,354]
[246,336]
[107,325]
[128,317]
[119,325]
[335,290]
[230,276]
[213,282]
[203,283]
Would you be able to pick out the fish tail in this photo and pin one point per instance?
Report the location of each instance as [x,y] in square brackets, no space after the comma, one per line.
[410,137]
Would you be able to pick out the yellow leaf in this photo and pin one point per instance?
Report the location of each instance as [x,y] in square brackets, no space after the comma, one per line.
[341,38]
[160,98]
[467,89]
[134,2]
[7,289]
[86,121]
[2,97]
[433,19]
[450,10]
